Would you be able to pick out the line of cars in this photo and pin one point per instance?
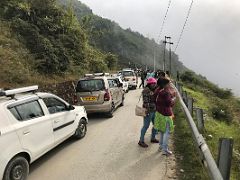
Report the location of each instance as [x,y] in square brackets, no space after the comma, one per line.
[32,123]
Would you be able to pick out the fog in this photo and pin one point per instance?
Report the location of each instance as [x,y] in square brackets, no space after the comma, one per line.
[211,40]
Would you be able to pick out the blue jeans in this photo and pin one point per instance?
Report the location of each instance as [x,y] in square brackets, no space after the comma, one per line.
[146,122]
[164,138]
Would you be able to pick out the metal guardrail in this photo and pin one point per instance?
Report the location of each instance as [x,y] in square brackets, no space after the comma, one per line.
[204,151]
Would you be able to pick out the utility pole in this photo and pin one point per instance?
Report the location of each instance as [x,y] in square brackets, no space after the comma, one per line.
[170,58]
[154,58]
[164,58]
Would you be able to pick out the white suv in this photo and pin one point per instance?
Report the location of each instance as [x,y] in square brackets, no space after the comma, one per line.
[32,124]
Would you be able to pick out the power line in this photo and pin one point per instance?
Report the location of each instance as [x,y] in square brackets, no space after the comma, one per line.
[164,20]
[180,37]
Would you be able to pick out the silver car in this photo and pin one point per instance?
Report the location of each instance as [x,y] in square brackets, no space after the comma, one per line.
[99,93]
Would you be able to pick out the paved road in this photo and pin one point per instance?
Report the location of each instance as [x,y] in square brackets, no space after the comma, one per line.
[108,152]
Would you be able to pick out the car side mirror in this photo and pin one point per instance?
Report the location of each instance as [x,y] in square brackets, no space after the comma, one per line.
[70,107]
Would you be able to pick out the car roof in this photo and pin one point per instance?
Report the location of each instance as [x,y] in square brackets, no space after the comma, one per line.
[23,96]
[93,77]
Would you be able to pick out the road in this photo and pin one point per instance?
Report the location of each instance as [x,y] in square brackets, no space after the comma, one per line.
[108,152]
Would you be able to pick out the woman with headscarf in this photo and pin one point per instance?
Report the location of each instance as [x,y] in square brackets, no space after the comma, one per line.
[149,104]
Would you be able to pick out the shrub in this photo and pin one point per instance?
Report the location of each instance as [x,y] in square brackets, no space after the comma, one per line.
[220,111]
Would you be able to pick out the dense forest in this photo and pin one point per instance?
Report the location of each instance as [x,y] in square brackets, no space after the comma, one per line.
[61,38]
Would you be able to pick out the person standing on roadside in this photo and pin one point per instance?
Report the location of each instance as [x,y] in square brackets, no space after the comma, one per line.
[143,76]
[164,114]
[149,104]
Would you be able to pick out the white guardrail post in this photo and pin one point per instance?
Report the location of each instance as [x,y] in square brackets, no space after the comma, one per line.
[208,159]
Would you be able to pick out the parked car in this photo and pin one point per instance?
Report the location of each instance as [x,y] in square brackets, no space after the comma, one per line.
[125,84]
[100,93]
[130,77]
[120,80]
[32,124]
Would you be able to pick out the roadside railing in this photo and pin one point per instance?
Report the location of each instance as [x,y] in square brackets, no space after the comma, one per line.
[216,171]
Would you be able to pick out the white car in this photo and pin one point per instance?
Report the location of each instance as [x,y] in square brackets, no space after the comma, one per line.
[125,84]
[131,78]
[31,124]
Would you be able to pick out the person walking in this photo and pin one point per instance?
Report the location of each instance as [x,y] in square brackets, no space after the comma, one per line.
[149,104]
[164,114]
[143,76]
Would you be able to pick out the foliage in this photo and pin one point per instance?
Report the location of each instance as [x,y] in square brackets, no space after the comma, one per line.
[185,149]
[53,36]
[221,111]
[14,58]
[111,61]
[222,120]
[200,82]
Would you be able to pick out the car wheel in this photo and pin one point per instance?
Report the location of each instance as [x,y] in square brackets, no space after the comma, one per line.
[81,129]
[17,169]
[110,113]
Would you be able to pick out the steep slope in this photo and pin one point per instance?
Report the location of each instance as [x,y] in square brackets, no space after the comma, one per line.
[51,37]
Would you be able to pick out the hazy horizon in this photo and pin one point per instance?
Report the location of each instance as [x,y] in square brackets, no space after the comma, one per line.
[210,42]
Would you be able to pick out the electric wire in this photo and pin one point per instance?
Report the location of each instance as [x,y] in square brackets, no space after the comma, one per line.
[184,25]
[164,21]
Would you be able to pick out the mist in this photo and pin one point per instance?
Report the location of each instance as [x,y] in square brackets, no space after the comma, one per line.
[211,40]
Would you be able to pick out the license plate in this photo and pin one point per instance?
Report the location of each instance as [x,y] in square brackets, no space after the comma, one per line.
[92,98]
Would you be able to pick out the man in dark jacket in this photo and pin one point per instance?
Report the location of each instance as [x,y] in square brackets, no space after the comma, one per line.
[143,77]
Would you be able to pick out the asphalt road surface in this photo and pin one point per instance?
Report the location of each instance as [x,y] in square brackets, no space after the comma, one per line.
[108,152]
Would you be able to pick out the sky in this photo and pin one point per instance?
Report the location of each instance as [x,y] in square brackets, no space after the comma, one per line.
[210,44]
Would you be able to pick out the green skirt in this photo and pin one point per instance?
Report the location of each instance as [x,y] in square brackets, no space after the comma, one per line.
[160,122]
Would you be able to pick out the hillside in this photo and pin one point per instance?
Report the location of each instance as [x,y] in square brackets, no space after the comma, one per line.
[59,41]
[222,111]
[128,45]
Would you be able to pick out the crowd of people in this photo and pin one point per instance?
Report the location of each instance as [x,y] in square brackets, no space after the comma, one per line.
[159,97]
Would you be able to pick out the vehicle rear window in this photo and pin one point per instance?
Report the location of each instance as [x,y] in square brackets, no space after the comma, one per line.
[27,111]
[90,85]
[128,73]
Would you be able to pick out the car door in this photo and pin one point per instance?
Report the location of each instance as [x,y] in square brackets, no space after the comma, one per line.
[34,129]
[62,118]
[118,90]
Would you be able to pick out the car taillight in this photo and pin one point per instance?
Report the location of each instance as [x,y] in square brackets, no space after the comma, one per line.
[107,95]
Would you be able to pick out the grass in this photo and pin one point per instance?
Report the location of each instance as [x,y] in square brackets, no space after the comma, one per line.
[184,144]
[186,152]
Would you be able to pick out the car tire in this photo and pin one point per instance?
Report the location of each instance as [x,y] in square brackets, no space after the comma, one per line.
[110,113]
[17,169]
[81,129]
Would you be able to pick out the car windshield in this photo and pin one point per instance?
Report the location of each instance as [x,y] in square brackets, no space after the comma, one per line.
[128,73]
[90,85]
